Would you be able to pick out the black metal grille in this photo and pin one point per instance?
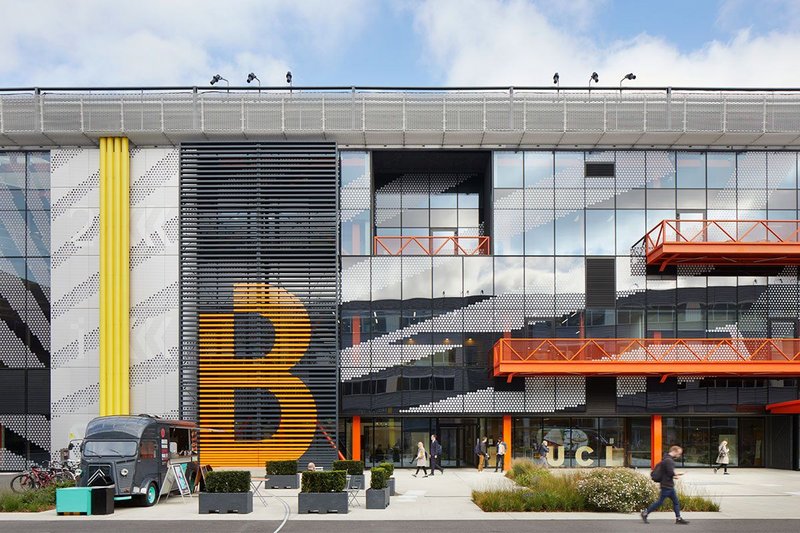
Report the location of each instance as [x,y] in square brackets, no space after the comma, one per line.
[259,214]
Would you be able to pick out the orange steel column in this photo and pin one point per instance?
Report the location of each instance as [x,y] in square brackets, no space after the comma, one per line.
[507,439]
[656,440]
[356,438]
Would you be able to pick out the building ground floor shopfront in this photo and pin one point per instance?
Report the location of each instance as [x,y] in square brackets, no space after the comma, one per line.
[578,441]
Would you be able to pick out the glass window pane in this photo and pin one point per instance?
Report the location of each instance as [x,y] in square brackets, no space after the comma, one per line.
[444,200]
[598,229]
[355,233]
[539,235]
[691,170]
[508,169]
[417,277]
[722,170]
[12,233]
[660,170]
[468,218]
[569,234]
[569,170]
[38,233]
[415,218]
[387,199]
[478,276]
[470,200]
[751,170]
[539,170]
[539,275]
[355,169]
[782,170]
[508,232]
[570,275]
[444,218]
[630,229]
[660,199]
[12,170]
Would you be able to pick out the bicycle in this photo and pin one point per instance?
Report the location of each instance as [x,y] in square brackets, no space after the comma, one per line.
[37,477]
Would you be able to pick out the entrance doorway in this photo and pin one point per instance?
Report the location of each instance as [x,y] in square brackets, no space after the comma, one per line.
[455,439]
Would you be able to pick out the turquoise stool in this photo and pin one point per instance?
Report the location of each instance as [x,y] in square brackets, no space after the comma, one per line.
[74,500]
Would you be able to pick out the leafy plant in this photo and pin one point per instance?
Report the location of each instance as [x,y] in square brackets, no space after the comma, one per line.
[389,467]
[32,501]
[334,481]
[354,468]
[228,481]
[616,490]
[379,478]
[281,468]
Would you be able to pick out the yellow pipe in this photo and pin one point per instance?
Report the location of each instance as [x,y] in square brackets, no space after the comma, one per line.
[114,276]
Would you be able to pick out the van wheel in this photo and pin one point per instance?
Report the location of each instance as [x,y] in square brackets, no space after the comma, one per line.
[150,495]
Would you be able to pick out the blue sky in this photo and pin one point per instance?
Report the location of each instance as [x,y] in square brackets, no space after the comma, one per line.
[402,42]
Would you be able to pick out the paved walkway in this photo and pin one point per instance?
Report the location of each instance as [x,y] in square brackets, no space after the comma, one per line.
[745,494]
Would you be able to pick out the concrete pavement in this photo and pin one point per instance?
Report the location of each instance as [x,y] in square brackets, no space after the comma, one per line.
[745,494]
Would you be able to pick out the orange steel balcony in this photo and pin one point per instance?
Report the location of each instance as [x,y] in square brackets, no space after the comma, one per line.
[723,242]
[425,245]
[637,357]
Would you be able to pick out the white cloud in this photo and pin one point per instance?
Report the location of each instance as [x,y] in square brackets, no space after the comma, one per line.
[176,42]
[496,42]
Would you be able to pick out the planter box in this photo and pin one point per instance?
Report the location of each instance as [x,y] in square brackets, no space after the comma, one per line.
[392,491]
[103,500]
[226,502]
[356,478]
[322,502]
[282,482]
[377,498]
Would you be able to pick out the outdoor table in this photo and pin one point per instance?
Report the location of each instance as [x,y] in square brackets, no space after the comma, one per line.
[256,483]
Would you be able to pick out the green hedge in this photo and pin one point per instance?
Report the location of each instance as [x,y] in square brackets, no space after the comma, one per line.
[354,468]
[389,467]
[281,468]
[334,481]
[379,478]
[228,481]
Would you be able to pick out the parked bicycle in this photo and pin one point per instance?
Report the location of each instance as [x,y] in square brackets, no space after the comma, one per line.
[36,477]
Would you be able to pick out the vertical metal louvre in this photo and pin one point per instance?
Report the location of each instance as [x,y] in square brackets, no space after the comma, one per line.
[259,300]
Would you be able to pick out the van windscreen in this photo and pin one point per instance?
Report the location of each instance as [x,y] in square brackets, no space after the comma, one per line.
[109,448]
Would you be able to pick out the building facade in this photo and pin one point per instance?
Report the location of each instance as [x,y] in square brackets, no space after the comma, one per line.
[343,273]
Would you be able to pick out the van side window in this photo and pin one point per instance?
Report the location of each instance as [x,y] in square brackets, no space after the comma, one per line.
[147,450]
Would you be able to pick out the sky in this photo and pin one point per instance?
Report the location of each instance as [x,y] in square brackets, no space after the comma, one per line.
[679,43]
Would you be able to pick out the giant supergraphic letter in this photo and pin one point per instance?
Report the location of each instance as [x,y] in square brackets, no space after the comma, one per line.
[222,374]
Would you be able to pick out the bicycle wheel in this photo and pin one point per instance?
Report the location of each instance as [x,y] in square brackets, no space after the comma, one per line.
[65,476]
[23,483]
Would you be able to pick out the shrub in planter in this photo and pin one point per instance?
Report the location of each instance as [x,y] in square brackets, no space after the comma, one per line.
[618,490]
[323,492]
[282,474]
[227,492]
[281,468]
[389,467]
[353,468]
[378,493]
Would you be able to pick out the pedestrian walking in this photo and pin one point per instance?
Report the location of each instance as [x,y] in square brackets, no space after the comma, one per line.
[501,455]
[664,473]
[723,457]
[481,451]
[436,456]
[543,451]
[421,460]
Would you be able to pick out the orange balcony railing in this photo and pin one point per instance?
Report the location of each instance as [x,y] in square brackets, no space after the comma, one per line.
[702,357]
[723,242]
[425,245]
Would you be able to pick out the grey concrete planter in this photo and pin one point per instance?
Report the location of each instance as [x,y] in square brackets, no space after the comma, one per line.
[226,502]
[282,482]
[322,502]
[377,498]
[392,491]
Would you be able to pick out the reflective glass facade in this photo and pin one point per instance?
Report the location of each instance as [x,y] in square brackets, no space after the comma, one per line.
[417,330]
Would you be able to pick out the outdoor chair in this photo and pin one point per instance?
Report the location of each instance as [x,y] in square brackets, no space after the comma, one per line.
[354,487]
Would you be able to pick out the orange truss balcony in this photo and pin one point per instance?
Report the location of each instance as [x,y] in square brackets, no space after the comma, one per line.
[425,245]
[638,357]
[723,242]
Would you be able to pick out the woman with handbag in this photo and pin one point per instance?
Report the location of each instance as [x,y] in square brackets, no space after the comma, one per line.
[723,459]
[421,460]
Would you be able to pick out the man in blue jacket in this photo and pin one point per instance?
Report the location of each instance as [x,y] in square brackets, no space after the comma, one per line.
[436,456]
[665,474]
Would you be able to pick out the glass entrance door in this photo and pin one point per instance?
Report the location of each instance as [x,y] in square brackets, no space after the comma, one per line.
[451,439]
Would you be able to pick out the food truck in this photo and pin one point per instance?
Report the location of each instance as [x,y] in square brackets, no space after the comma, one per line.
[135,453]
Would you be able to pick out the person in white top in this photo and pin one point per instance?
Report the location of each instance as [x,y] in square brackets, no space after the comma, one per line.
[421,460]
[501,455]
[723,457]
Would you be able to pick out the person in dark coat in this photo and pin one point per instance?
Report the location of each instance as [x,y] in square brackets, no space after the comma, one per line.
[436,456]
[667,482]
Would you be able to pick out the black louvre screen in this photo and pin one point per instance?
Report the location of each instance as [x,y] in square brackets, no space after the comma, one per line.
[600,281]
[259,300]
[599,170]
